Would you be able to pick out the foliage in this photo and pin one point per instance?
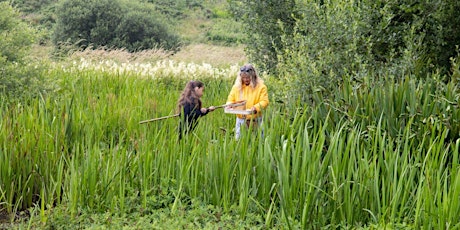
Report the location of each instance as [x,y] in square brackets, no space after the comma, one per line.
[225,32]
[434,22]
[265,22]
[207,22]
[37,12]
[193,214]
[29,6]
[442,44]
[365,156]
[17,78]
[175,8]
[328,43]
[313,45]
[193,21]
[16,35]
[20,82]
[379,135]
[141,29]
[112,24]
[332,43]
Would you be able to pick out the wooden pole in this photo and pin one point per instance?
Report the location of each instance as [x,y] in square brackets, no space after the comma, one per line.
[238,103]
[159,118]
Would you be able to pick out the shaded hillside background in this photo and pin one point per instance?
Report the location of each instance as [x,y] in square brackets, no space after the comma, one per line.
[202,31]
[41,32]
[194,21]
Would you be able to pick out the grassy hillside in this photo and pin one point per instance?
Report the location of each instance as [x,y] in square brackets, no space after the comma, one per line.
[208,33]
[198,21]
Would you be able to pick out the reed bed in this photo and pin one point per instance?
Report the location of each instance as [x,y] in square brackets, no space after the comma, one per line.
[371,157]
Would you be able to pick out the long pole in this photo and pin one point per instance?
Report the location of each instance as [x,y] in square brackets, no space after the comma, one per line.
[159,118]
[238,103]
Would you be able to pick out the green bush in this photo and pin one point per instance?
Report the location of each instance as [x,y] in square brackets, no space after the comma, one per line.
[20,82]
[139,28]
[17,77]
[265,22]
[312,45]
[435,23]
[112,24]
[329,43]
[16,35]
[441,44]
[31,6]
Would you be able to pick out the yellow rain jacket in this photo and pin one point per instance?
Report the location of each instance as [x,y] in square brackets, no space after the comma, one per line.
[257,97]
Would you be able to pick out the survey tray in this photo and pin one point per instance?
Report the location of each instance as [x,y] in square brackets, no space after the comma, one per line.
[238,111]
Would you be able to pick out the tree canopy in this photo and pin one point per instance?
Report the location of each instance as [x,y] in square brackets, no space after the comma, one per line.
[112,24]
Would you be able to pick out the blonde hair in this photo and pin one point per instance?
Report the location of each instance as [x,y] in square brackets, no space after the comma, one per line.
[249,71]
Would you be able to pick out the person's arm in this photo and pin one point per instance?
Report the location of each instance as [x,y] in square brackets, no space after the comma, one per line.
[193,112]
[263,100]
[233,95]
[208,109]
[191,115]
[202,111]
[196,112]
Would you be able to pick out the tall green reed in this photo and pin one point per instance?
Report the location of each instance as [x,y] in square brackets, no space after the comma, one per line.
[367,156]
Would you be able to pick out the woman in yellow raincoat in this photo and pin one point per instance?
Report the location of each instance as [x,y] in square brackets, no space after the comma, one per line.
[251,88]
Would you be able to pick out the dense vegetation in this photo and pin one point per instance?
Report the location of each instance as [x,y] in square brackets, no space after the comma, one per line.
[113,24]
[312,45]
[17,74]
[370,157]
[362,130]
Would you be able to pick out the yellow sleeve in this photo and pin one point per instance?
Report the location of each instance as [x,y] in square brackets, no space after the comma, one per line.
[263,99]
[233,96]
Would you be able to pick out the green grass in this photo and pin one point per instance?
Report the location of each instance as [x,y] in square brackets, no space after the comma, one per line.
[79,158]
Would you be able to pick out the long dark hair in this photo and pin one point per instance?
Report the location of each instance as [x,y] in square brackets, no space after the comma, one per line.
[188,95]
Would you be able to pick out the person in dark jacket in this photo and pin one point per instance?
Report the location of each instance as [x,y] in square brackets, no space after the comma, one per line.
[190,107]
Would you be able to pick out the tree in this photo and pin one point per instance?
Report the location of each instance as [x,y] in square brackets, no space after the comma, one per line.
[312,45]
[140,28]
[266,21]
[17,79]
[443,45]
[112,24]
[16,36]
